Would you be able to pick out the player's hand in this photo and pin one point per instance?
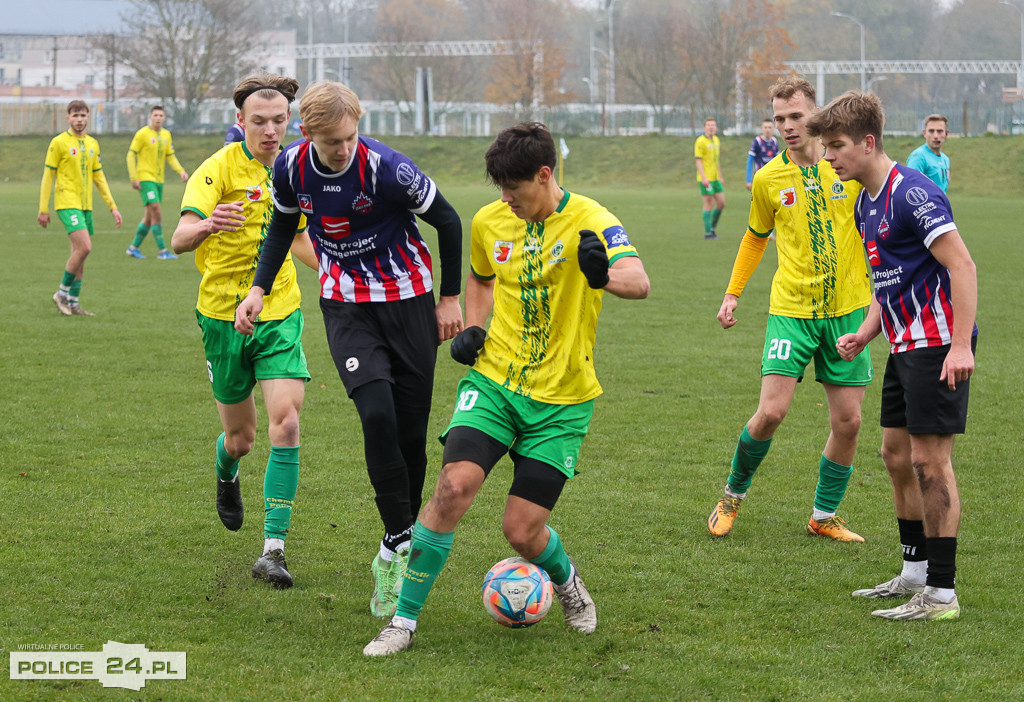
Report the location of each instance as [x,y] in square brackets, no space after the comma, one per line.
[43,219]
[849,346]
[226,217]
[750,186]
[466,346]
[136,185]
[593,259]
[725,317]
[958,366]
[449,317]
[706,183]
[247,312]
[117,218]
[184,176]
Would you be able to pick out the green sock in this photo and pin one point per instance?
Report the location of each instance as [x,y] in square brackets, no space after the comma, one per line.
[832,481]
[67,281]
[715,214]
[279,485]
[158,236]
[140,234]
[75,291]
[706,214]
[227,467]
[554,560]
[749,454]
[428,553]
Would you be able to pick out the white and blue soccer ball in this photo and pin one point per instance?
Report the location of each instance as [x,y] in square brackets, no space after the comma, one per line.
[517,593]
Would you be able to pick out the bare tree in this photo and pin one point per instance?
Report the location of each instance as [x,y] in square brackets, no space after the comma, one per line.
[186,51]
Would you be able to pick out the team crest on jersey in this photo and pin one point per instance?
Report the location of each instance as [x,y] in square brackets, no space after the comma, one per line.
[253,193]
[556,253]
[74,150]
[502,251]
[152,140]
[883,229]
[362,204]
[305,203]
[788,197]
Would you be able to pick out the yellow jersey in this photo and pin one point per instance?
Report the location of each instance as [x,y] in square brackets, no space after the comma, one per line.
[147,154]
[76,162]
[822,272]
[228,260]
[544,322]
[708,151]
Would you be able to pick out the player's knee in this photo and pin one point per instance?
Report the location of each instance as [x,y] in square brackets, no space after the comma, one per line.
[524,538]
[284,430]
[453,492]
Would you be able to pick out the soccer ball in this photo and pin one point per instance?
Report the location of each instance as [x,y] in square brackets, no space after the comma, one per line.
[517,593]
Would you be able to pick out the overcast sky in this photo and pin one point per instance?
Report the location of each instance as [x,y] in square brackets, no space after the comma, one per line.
[60,16]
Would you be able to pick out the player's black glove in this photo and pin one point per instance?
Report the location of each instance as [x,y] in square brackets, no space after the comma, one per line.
[467,345]
[593,259]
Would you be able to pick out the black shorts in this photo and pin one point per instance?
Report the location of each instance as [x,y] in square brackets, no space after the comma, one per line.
[394,341]
[532,480]
[913,396]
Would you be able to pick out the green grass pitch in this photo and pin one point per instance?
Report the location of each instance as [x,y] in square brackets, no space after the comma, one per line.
[107,429]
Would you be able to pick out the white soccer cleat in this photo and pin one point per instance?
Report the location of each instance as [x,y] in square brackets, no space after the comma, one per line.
[391,639]
[921,606]
[577,605]
[897,587]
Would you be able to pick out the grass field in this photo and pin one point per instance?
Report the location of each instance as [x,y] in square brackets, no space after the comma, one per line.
[107,427]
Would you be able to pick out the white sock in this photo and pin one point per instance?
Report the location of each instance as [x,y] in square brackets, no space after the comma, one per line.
[819,515]
[730,493]
[272,544]
[942,594]
[404,622]
[915,571]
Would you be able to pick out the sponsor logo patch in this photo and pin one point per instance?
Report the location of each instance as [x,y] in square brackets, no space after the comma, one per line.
[873,258]
[405,174]
[917,196]
[335,227]
[616,236]
[788,197]
[502,251]
[253,193]
[305,203]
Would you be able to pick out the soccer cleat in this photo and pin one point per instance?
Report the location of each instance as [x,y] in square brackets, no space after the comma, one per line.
[897,587]
[710,236]
[921,606]
[272,568]
[229,503]
[832,528]
[62,303]
[81,311]
[723,515]
[391,639]
[134,252]
[577,605]
[387,583]
[165,255]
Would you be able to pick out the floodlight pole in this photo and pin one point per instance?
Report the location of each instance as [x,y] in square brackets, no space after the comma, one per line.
[1020,71]
[611,64]
[861,25]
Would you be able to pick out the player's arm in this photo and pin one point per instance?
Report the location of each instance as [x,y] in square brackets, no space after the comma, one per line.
[750,170]
[132,160]
[302,249]
[280,239]
[751,251]
[443,217]
[45,188]
[850,345]
[628,279]
[193,229]
[700,172]
[100,181]
[173,162]
[479,302]
[950,251]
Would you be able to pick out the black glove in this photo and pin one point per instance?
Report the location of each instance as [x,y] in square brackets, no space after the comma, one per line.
[593,259]
[467,345]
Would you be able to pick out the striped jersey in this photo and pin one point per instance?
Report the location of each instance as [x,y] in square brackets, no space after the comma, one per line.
[763,150]
[148,153]
[822,272]
[226,259]
[898,226]
[540,342]
[362,220]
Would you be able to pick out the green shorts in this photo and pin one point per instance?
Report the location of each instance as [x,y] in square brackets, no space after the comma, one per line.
[235,361]
[790,344]
[76,219]
[544,432]
[714,186]
[152,193]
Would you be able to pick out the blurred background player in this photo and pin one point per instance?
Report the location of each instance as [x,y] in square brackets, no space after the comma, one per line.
[73,159]
[820,292]
[224,217]
[542,259]
[928,157]
[707,149]
[236,132]
[150,149]
[926,301]
[762,150]
[362,199]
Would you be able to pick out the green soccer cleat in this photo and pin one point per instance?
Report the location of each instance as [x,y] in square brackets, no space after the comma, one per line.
[271,568]
[387,583]
[922,606]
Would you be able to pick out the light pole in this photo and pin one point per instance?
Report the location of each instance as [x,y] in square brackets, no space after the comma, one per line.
[861,25]
[611,62]
[871,83]
[1020,72]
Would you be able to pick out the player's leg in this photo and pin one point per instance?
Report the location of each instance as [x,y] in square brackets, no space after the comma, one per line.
[279,364]
[148,196]
[719,204]
[157,227]
[81,247]
[707,201]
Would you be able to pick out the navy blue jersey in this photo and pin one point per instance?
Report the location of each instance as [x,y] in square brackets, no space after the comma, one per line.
[362,220]
[763,150]
[898,225]
[236,132]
